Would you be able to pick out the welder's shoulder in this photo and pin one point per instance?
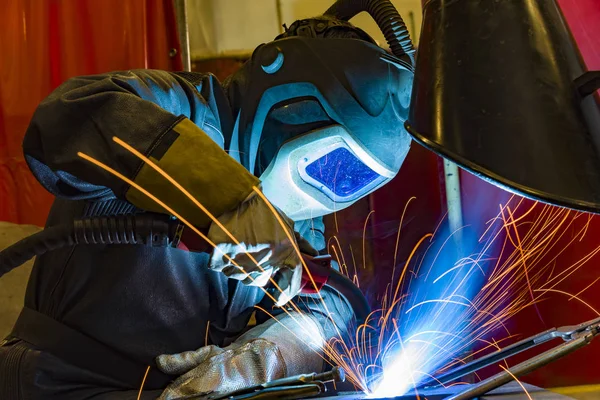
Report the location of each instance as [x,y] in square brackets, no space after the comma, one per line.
[135,81]
[199,80]
[120,95]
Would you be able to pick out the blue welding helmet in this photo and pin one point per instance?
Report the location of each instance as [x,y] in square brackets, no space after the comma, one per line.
[321,121]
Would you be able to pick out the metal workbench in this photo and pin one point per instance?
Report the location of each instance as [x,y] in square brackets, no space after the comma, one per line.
[511,391]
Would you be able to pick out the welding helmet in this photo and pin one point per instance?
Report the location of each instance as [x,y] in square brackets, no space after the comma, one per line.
[320,120]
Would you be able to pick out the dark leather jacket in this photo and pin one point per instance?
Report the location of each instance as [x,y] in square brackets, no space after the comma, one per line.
[140,301]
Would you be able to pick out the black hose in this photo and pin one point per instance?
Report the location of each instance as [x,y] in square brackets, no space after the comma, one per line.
[155,230]
[146,229]
[355,297]
[385,15]
[49,239]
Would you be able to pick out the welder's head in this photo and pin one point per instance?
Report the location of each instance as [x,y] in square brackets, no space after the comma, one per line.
[320,116]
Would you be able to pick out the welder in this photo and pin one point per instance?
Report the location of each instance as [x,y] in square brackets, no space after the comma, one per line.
[314,119]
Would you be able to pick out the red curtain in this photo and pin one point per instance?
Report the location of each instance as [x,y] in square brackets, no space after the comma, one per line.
[42,43]
[583,17]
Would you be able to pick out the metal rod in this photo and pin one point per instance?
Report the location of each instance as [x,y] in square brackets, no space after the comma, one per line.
[413,28]
[184,33]
[453,200]
[279,16]
[525,367]
[490,359]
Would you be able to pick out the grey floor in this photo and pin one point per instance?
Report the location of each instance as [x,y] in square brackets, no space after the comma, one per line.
[12,285]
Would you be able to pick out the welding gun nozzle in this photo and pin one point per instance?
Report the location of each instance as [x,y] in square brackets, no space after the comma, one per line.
[337,374]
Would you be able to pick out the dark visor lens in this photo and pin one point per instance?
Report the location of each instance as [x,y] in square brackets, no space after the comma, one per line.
[342,173]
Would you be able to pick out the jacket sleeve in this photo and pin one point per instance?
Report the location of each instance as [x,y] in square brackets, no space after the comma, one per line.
[175,119]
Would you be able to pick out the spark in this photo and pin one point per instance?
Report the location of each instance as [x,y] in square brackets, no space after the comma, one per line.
[424,327]
[516,380]
[139,396]
[401,280]
[198,232]
[353,260]
[584,289]
[364,251]
[398,234]
[449,323]
[571,296]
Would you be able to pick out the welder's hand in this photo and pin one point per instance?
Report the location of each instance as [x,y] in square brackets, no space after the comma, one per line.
[266,352]
[211,368]
[264,251]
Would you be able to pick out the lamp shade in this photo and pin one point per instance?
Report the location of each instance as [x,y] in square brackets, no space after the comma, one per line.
[501,90]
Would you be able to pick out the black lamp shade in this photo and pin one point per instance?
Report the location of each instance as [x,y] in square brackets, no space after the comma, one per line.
[501,89]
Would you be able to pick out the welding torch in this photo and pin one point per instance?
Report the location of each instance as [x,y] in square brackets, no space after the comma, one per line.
[319,273]
[293,387]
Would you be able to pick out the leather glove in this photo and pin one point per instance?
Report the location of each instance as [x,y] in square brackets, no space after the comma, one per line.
[272,350]
[262,238]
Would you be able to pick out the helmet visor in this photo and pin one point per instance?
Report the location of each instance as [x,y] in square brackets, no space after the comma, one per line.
[339,174]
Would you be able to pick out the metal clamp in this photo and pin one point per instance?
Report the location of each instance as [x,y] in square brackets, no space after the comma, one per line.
[574,336]
[567,333]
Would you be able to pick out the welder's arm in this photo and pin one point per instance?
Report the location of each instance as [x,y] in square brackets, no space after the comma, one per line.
[331,311]
[175,119]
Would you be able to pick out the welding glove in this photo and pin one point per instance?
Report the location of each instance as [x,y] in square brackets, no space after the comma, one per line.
[289,346]
[265,251]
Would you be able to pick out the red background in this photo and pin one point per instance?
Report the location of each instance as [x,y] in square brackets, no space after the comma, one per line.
[44,42]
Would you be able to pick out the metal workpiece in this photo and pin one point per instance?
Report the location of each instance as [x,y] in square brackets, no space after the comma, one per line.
[311,385]
[293,387]
[510,391]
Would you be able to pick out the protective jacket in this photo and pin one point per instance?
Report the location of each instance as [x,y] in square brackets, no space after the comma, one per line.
[137,301]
